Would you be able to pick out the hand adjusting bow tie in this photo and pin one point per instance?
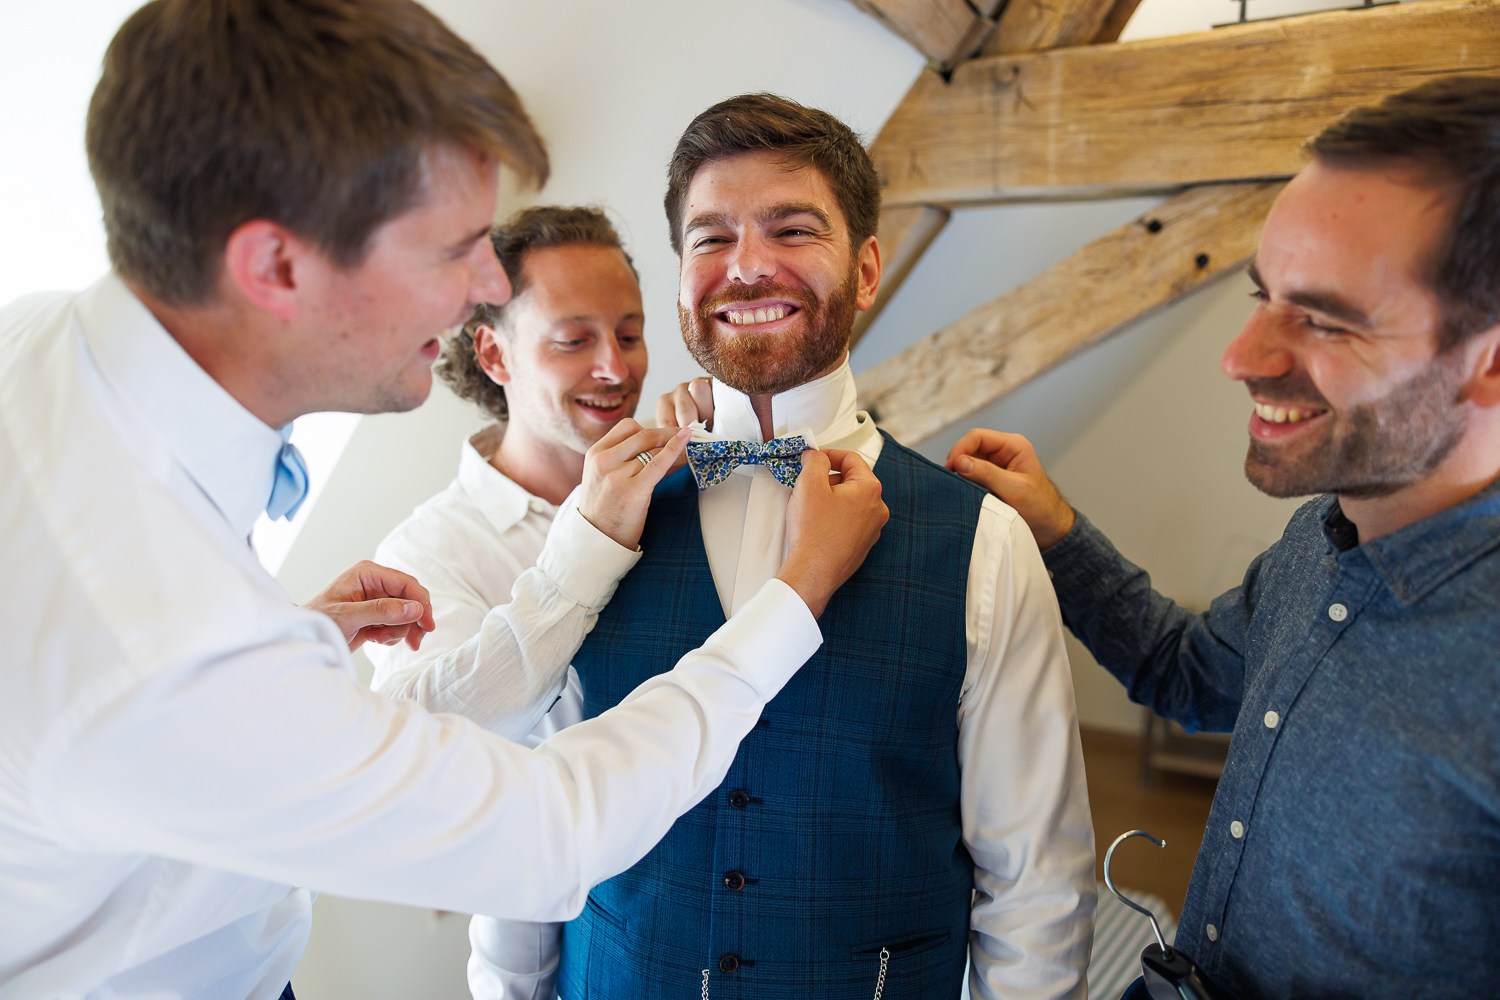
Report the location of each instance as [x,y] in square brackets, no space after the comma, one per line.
[713,461]
[290,488]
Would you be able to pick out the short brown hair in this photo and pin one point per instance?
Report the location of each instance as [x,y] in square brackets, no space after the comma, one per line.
[529,229]
[805,136]
[315,114]
[1449,130]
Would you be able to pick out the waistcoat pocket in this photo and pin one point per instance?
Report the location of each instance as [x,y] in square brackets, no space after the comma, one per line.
[914,945]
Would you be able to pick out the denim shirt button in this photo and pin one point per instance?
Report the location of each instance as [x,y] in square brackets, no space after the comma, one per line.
[1338,612]
[1236,829]
[1212,932]
[1273,719]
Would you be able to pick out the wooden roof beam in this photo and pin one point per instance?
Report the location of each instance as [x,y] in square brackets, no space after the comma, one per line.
[1154,115]
[1167,254]
[945,31]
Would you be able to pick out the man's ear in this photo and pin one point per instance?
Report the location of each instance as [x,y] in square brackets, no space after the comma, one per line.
[266,263]
[490,351]
[1483,389]
[869,274]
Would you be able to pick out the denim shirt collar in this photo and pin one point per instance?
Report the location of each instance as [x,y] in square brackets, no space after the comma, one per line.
[1417,558]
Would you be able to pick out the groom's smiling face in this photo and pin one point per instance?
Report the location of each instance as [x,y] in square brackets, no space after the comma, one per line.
[769,284]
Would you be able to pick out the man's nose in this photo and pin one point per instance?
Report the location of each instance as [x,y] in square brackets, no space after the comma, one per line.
[751,259]
[1261,350]
[609,361]
[487,279]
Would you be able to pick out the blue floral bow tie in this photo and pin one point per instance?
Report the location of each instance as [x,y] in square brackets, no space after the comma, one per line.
[713,461]
[290,488]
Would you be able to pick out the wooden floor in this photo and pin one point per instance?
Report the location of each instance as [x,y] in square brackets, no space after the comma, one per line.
[1174,809]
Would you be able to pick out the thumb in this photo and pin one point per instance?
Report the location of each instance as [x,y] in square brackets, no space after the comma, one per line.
[352,616]
[988,475]
[815,468]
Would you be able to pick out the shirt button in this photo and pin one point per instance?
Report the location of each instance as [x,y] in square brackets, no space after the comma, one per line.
[739,798]
[1210,930]
[1236,829]
[735,881]
[1338,612]
[729,963]
[1273,720]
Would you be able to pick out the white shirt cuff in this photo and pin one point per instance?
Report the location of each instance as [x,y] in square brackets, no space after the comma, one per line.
[771,637]
[583,561]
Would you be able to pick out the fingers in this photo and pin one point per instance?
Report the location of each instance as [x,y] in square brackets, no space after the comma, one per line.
[849,466]
[667,459]
[689,403]
[362,621]
[815,468]
[996,480]
[702,392]
[998,447]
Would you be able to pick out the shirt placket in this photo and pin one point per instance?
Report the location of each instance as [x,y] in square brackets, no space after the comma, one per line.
[1268,709]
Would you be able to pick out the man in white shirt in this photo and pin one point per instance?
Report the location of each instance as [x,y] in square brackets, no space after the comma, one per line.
[916,797]
[298,197]
[560,364]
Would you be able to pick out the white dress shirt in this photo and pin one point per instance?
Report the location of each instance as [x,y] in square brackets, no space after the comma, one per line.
[180,745]
[469,545]
[1024,805]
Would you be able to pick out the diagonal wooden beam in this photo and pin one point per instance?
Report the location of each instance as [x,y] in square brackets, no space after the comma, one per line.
[906,232]
[1154,115]
[1167,254]
[1034,25]
[945,31]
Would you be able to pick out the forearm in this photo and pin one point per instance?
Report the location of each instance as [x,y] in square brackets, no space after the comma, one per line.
[371,798]
[1183,665]
[506,675]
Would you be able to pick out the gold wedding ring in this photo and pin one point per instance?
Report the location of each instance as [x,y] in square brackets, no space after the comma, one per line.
[644,458]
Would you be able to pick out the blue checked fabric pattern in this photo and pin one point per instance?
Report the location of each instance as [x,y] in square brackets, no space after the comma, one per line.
[713,461]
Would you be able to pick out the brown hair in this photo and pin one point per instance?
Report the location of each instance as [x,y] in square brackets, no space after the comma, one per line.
[529,229]
[1449,130]
[805,136]
[315,114]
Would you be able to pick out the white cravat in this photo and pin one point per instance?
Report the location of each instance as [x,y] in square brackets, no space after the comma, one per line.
[744,517]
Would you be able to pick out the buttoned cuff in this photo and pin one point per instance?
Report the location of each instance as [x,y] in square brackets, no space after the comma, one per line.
[770,637]
[584,562]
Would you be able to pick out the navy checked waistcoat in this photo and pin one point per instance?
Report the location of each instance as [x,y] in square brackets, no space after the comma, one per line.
[836,832]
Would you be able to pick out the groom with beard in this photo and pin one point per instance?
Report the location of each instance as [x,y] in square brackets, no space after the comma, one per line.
[914,799]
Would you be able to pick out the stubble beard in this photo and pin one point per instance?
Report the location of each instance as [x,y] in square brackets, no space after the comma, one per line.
[1371,450]
[772,363]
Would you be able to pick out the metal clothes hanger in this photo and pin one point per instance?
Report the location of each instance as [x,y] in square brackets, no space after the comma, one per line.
[1170,974]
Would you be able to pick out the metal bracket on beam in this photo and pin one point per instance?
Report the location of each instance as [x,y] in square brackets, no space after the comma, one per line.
[1246,19]
[986,22]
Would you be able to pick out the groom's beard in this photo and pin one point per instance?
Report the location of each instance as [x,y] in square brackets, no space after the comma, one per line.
[772,362]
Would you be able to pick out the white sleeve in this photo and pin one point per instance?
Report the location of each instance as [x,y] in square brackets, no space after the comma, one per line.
[1025,802]
[513,959]
[506,674]
[275,763]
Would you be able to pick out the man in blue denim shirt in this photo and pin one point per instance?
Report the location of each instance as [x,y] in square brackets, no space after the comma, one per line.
[1354,844]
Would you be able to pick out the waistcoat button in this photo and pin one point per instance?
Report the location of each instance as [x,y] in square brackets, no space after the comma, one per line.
[739,798]
[729,963]
[735,881]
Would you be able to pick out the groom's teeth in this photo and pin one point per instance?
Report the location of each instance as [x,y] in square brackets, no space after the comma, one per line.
[744,317]
[1284,414]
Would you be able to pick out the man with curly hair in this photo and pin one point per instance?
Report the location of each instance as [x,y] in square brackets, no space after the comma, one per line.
[557,366]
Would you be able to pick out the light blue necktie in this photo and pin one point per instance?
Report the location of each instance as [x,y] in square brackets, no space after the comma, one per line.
[713,461]
[290,488]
